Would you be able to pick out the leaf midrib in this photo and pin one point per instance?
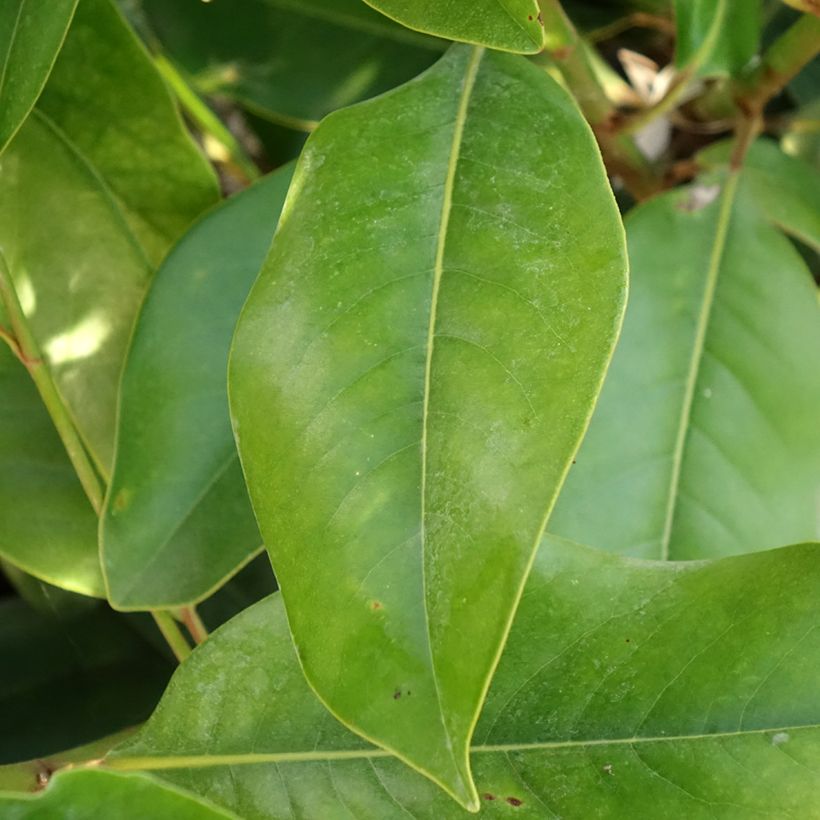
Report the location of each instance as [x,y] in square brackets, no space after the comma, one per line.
[704,315]
[151,763]
[470,74]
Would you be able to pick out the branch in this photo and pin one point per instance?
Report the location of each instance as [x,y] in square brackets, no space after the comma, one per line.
[786,57]
[172,634]
[620,152]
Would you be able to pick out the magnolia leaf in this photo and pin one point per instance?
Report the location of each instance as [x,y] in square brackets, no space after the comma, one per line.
[48,527]
[85,793]
[79,229]
[112,105]
[177,520]
[410,378]
[227,48]
[69,678]
[627,689]
[705,441]
[716,37]
[30,37]
[508,25]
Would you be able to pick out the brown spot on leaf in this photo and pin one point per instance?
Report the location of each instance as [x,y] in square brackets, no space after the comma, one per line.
[397,694]
[514,801]
[42,775]
[376,605]
[699,196]
[487,796]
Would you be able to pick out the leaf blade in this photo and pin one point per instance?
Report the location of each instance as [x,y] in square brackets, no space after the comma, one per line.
[29,44]
[129,797]
[77,146]
[176,481]
[49,528]
[734,485]
[582,695]
[352,372]
[507,25]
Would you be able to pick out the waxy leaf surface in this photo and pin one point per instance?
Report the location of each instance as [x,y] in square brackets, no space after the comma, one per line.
[410,378]
[95,185]
[47,527]
[627,689]
[30,37]
[178,519]
[705,441]
[509,25]
[292,61]
[91,793]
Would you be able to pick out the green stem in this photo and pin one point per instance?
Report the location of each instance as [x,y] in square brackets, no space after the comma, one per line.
[620,152]
[27,351]
[193,623]
[786,57]
[680,84]
[237,160]
[172,634]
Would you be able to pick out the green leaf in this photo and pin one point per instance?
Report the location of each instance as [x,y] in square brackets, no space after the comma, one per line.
[273,55]
[716,36]
[69,679]
[627,689]
[705,441]
[30,37]
[113,106]
[49,528]
[785,189]
[85,793]
[508,25]
[44,597]
[77,269]
[410,378]
[177,520]
[96,184]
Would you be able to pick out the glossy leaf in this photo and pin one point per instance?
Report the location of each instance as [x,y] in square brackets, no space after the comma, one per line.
[95,185]
[509,25]
[627,689]
[112,105]
[716,37]
[409,380]
[77,269]
[705,441]
[85,793]
[44,597]
[272,55]
[30,37]
[48,527]
[70,678]
[177,519]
